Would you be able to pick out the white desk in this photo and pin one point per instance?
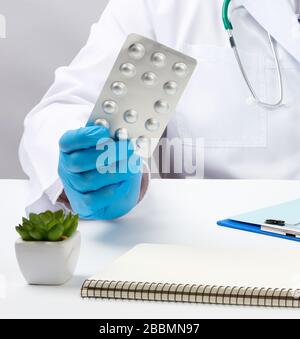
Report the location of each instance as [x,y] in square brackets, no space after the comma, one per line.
[178,212]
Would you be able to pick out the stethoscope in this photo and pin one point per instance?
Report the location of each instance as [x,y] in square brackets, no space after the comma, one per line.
[229,28]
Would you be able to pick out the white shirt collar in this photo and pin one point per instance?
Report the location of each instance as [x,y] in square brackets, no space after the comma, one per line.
[279,19]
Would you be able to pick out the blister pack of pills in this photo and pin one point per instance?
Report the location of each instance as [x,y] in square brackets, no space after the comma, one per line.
[142,91]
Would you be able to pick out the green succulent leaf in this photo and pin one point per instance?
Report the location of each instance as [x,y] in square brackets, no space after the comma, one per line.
[51,224]
[25,221]
[34,219]
[59,215]
[55,233]
[73,227]
[28,226]
[68,221]
[23,233]
[45,218]
[37,234]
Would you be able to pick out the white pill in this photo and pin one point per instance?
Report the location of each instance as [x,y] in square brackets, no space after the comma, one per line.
[128,70]
[149,79]
[161,106]
[136,51]
[180,69]
[152,125]
[142,142]
[171,87]
[131,116]
[122,134]
[119,88]
[102,122]
[158,59]
[110,107]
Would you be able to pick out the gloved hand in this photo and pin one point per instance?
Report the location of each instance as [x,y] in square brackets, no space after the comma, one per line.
[101,177]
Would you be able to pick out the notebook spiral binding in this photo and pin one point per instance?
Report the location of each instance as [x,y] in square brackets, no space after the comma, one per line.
[202,294]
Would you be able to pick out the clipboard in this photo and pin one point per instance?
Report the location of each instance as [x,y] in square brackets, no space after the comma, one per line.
[280,221]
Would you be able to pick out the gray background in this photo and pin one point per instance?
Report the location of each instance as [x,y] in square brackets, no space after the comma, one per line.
[41,36]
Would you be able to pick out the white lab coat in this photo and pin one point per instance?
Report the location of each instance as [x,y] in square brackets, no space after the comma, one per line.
[241,140]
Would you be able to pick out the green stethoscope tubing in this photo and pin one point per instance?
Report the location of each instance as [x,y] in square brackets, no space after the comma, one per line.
[229,28]
[226,21]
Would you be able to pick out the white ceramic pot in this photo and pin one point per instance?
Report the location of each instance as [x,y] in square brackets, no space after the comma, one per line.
[48,263]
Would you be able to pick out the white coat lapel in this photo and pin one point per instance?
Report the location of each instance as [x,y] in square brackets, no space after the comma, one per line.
[279,18]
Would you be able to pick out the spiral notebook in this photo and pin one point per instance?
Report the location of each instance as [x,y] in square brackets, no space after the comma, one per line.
[189,275]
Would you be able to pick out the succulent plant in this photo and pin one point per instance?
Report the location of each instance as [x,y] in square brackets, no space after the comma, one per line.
[48,226]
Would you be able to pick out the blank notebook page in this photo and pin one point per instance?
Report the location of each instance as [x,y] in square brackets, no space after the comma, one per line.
[185,265]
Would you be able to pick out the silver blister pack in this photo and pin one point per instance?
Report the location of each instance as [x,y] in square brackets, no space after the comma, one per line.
[142,91]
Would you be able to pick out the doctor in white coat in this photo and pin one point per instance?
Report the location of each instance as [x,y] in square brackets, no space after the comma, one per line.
[242,140]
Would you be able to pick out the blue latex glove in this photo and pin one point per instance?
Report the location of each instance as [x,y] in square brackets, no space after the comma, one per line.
[101,177]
